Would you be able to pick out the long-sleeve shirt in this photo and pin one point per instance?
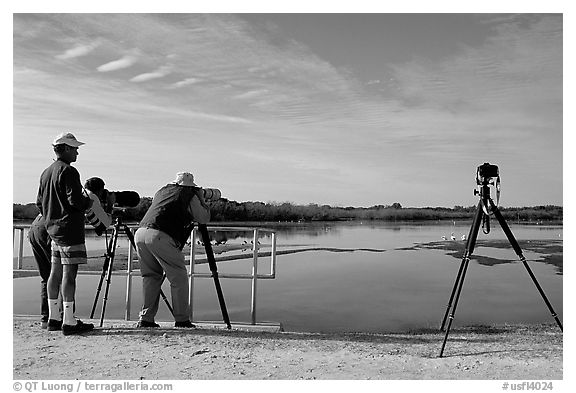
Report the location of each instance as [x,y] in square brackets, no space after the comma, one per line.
[62,203]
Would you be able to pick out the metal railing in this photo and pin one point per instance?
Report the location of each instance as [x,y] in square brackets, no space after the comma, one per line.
[129,272]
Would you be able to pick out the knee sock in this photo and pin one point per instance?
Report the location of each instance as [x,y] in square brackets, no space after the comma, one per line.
[54,310]
[69,318]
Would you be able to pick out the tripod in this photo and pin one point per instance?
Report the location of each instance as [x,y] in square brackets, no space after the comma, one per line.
[485,205]
[107,267]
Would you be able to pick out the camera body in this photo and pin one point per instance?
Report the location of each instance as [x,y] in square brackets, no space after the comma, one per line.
[485,173]
[487,170]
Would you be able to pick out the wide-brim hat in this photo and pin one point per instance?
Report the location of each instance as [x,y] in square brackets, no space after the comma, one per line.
[66,138]
[184,179]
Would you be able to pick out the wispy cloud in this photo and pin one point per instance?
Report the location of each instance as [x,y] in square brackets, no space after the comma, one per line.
[124,62]
[184,82]
[159,73]
[78,51]
[251,94]
[518,64]
[113,104]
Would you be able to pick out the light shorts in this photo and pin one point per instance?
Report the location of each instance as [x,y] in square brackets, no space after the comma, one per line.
[69,255]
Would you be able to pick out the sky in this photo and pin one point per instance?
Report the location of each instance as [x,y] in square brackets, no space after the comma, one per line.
[343,109]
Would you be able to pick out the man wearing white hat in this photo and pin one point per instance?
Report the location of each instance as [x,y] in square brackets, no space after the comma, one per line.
[163,232]
[62,203]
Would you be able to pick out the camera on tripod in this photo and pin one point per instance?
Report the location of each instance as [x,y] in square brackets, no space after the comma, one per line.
[486,175]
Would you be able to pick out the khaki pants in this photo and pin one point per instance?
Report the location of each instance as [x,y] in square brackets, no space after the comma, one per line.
[158,253]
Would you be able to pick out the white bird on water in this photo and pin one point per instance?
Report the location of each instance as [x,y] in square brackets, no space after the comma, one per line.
[443,237]
[463,237]
[452,236]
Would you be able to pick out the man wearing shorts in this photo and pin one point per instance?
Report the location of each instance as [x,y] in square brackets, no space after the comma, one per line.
[63,203]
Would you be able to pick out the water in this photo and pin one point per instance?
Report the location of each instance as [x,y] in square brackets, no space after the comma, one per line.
[396,285]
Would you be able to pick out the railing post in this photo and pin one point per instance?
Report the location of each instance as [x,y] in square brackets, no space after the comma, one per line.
[273,256]
[21,248]
[191,276]
[129,281]
[254,276]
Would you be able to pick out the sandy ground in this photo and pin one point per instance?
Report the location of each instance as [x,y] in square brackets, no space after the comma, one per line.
[118,350]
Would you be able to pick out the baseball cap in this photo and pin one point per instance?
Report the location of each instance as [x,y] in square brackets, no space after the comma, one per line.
[66,138]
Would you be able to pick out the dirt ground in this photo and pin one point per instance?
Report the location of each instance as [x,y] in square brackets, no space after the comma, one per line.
[120,351]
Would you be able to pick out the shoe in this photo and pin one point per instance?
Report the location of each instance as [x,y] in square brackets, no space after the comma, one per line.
[44,322]
[147,324]
[184,324]
[53,325]
[80,327]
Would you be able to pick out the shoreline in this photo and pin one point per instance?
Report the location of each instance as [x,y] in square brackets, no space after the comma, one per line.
[121,351]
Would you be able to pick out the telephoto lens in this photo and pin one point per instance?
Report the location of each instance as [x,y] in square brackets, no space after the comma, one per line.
[211,194]
[124,198]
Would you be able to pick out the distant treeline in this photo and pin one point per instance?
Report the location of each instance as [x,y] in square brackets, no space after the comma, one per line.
[226,210]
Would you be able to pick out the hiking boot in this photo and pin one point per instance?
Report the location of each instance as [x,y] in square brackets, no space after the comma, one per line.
[147,324]
[184,324]
[53,325]
[80,327]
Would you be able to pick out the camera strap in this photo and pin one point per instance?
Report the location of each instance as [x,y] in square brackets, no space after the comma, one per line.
[497,190]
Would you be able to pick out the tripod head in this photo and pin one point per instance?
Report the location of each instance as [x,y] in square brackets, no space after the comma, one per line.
[487,175]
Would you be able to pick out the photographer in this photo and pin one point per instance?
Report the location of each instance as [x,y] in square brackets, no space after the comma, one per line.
[63,204]
[40,240]
[163,232]
[95,215]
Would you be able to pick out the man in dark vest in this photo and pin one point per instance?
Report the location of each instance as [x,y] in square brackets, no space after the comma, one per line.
[163,232]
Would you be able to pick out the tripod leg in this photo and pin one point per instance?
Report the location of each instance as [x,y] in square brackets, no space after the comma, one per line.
[465,262]
[518,251]
[469,249]
[133,244]
[104,270]
[212,263]
[164,297]
[109,275]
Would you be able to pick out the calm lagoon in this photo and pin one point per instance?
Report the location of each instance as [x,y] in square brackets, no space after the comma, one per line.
[368,277]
